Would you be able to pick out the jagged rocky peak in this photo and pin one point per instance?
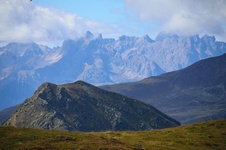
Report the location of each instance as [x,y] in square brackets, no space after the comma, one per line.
[146,38]
[208,39]
[99,61]
[20,49]
[122,38]
[89,35]
[80,106]
[46,88]
[15,45]
[127,38]
[195,38]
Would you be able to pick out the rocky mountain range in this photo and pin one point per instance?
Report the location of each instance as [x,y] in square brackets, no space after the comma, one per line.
[195,93]
[80,106]
[97,60]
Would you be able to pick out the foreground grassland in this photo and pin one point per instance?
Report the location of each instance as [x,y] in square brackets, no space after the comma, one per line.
[205,135]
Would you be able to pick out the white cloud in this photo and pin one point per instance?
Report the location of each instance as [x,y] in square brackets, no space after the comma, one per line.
[183,16]
[22,21]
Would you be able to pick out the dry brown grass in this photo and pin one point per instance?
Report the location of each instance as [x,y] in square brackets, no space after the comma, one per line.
[205,135]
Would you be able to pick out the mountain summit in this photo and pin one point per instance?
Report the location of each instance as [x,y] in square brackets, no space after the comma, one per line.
[80,106]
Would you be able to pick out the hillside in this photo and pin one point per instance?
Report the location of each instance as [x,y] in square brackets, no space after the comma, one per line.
[206,135]
[80,106]
[196,93]
[6,113]
[97,60]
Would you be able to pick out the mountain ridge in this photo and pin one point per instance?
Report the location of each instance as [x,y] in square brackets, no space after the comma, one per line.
[80,106]
[97,60]
[195,93]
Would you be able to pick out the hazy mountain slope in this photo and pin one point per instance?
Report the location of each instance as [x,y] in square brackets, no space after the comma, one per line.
[82,107]
[6,113]
[18,62]
[97,60]
[195,93]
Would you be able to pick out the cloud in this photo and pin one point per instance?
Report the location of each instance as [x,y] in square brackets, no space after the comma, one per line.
[22,21]
[183,16]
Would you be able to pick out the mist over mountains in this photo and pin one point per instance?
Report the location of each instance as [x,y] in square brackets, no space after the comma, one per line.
[97,60]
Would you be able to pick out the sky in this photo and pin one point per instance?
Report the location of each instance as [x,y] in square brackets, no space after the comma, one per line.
[49,22]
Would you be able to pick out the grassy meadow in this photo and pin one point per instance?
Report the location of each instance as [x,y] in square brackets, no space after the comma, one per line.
[199,136]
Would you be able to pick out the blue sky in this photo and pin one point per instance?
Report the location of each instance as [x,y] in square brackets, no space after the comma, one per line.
[52,21]
[100,10]
[109,12]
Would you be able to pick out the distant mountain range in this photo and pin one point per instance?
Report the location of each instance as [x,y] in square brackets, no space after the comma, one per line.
[195,93]
[97,60]
[80,106]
